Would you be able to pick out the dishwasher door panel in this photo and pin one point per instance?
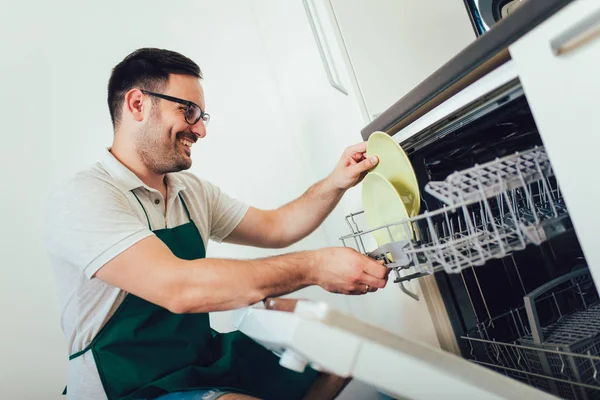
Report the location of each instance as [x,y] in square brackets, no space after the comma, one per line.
[317,335]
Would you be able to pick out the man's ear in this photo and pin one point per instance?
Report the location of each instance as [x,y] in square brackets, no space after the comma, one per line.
[134,104]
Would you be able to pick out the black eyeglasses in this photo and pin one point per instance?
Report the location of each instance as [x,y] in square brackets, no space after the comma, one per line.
[193,112]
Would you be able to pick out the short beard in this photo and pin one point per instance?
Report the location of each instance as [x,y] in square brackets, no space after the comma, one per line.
[157,150]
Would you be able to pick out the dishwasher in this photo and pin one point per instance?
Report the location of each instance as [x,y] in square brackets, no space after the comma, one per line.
[495,234]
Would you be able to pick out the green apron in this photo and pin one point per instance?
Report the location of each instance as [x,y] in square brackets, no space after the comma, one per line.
[145,351]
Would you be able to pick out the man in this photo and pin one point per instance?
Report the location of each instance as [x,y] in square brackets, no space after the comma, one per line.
[127,240]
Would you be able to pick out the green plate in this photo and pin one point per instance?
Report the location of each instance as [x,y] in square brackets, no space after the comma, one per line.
[383,205]
[395,166]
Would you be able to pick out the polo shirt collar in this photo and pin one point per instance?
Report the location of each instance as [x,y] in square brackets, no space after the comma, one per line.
[128,181]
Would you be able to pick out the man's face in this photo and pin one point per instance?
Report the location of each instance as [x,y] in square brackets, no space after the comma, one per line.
[165,140]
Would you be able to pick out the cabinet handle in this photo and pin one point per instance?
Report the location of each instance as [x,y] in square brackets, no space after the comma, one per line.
[576,37]
[324,50]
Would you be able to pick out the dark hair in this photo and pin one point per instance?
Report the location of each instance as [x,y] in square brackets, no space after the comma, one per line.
[147,68]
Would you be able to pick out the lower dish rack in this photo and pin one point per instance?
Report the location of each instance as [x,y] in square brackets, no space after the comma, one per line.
[562,357]
[490,211]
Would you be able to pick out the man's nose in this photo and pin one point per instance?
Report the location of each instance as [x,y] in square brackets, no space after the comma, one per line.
[199,129]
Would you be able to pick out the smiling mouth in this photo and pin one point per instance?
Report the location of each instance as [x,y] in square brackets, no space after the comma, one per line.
[185,142]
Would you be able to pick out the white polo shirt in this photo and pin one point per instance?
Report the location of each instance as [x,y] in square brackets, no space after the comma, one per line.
[93,217]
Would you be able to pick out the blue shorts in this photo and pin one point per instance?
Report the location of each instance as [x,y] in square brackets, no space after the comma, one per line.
[208,394]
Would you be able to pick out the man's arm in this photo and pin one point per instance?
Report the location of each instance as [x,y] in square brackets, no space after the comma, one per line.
[149,270]
[297,219]
[90,224]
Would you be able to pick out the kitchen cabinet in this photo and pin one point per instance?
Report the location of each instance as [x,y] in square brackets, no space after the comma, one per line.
[390,46]
[558,64]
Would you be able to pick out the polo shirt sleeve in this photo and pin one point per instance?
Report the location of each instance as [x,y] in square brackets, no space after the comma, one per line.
[89,222]
[225,212]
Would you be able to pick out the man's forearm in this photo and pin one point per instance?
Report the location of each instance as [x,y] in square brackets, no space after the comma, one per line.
[302,216]
[152,272]
[219,284]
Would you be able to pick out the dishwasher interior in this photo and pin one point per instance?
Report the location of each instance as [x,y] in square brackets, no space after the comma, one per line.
[498,239]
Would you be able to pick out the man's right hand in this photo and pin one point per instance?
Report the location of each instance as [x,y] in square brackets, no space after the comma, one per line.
[344,270]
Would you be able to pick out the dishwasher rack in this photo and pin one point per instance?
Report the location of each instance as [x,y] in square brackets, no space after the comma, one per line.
[562,357]
[490,211]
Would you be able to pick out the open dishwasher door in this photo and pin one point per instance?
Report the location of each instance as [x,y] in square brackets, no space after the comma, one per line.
[331,341]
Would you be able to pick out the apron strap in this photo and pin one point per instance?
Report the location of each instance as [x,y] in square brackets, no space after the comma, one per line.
[72,356]
[145,213]
[185,207]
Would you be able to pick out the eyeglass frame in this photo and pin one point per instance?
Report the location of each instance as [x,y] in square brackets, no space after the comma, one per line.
[186,103]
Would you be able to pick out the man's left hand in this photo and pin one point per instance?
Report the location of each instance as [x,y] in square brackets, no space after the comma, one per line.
[352,167]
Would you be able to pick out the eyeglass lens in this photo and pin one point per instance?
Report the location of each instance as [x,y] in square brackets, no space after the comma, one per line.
[193,114]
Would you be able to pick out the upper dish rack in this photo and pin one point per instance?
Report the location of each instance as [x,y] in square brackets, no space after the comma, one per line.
[490,210]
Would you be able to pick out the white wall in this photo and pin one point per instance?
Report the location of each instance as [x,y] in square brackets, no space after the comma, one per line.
[331,121]
[55,63]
